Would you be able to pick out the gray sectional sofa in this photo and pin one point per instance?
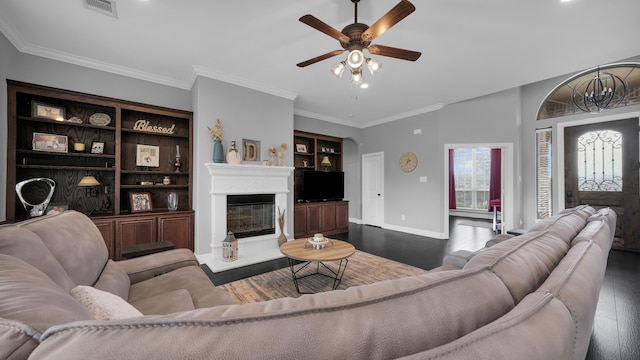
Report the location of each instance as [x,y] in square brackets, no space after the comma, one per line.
[532,296]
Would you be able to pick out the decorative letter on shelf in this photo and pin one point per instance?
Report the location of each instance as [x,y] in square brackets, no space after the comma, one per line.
[143,125]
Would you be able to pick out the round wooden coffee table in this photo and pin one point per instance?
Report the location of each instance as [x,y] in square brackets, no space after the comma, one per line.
[302,250]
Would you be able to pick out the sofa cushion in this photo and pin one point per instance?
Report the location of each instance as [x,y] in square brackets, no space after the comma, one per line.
[114,280]
[524,262]
[566,225]
[598,232]
[191,278]
[167,303]
[539,327]
[103,305]
[30,297]
[383,320]
[576,283]
[72,230]
[24,244]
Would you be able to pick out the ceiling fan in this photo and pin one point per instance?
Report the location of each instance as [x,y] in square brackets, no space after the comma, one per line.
[358,36]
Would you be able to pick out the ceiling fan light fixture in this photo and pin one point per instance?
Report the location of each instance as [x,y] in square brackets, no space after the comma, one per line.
[373,65]
[338,70]
[355,58]
[356,76]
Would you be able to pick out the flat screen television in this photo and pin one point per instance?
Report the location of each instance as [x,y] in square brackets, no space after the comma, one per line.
[322,185]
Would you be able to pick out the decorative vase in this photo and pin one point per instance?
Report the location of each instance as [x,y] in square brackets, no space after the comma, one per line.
[218,152]
[233,155]
[282,238]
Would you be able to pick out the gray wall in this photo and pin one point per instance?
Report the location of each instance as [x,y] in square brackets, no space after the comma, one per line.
[244,114]
[404,194]
[8,64]
[351,157]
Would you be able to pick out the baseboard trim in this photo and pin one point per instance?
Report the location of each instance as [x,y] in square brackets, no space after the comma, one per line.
[414,231]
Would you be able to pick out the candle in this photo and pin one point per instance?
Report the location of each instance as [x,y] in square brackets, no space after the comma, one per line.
[177,150]
[78,147]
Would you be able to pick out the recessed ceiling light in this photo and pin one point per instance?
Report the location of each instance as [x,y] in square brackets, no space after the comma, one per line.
[565,0]
[364,86]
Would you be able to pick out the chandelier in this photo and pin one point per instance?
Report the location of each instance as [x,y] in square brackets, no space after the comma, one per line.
[604,91]
[355,60]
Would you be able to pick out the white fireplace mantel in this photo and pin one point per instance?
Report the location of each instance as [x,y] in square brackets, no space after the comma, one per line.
[231,179]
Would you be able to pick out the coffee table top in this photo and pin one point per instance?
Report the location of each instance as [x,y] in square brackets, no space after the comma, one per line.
[301,249]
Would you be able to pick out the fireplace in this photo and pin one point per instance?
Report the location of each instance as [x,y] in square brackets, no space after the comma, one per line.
[241,192]
[251,215]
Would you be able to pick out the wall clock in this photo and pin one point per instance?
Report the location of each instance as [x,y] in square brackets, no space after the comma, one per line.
[408,161]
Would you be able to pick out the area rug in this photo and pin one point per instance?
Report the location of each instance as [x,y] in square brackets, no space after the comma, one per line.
[482,224]
[363,268]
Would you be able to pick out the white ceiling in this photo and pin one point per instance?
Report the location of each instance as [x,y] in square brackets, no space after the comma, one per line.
[469,47]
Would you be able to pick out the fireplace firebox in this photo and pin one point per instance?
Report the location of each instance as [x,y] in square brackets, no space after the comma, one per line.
[251,215]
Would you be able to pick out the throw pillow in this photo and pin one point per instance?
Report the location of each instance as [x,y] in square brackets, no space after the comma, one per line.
[103,305]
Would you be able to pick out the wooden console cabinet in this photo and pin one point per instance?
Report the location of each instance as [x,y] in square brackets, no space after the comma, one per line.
[330,217]
[109,132]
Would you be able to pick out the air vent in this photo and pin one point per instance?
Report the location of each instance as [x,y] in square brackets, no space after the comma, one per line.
[107,7]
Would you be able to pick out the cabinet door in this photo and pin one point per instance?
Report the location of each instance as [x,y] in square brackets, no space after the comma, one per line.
[299,221]
[107,229]
[177,229]
[314,219]
[328,217]
[342,216]
[133,231]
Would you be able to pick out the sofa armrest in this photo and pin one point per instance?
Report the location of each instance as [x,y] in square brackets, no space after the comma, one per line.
[148,266]
[458,258]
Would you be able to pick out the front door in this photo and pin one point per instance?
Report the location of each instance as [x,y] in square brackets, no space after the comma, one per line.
[601,169]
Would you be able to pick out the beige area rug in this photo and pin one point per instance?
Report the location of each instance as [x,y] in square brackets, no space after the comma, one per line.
[363,268]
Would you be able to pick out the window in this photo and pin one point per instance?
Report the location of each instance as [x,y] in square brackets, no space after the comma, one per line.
[543,173]
[472,171]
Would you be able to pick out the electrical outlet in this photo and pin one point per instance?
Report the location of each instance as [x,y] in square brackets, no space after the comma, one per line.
[402,217]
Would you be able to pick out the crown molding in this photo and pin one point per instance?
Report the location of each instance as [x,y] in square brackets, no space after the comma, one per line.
[208,73]
[322,117]
[404,115]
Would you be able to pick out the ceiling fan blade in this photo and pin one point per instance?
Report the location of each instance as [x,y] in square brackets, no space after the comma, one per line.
[394,52]
[320,58]
[399,12]
[319,25]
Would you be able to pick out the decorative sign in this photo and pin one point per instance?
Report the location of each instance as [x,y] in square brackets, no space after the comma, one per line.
[143,125]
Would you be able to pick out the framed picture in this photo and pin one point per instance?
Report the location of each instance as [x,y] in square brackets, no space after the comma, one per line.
[50,142]
[47,111]
[251,150]
[140,201]
[97,147]
[147,155]
[301,148]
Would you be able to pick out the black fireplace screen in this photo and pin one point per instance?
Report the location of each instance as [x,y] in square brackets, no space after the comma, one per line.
[251,215]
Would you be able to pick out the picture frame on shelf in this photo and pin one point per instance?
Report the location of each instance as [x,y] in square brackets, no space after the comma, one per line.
[47,111]
[97,147]
[251,150]
[140,202]
[147,155]
[301,148]
[50,142]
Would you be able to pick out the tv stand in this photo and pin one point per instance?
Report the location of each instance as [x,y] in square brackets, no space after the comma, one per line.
[326,217]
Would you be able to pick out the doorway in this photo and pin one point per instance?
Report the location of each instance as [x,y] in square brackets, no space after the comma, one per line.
[507,181]
[601,169]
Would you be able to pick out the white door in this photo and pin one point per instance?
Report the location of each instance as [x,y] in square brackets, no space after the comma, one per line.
[372,189]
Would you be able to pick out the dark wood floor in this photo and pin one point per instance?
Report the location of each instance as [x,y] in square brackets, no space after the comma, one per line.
[617,325]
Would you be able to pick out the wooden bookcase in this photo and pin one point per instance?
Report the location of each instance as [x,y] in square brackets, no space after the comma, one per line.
[129,124]
[329,217]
